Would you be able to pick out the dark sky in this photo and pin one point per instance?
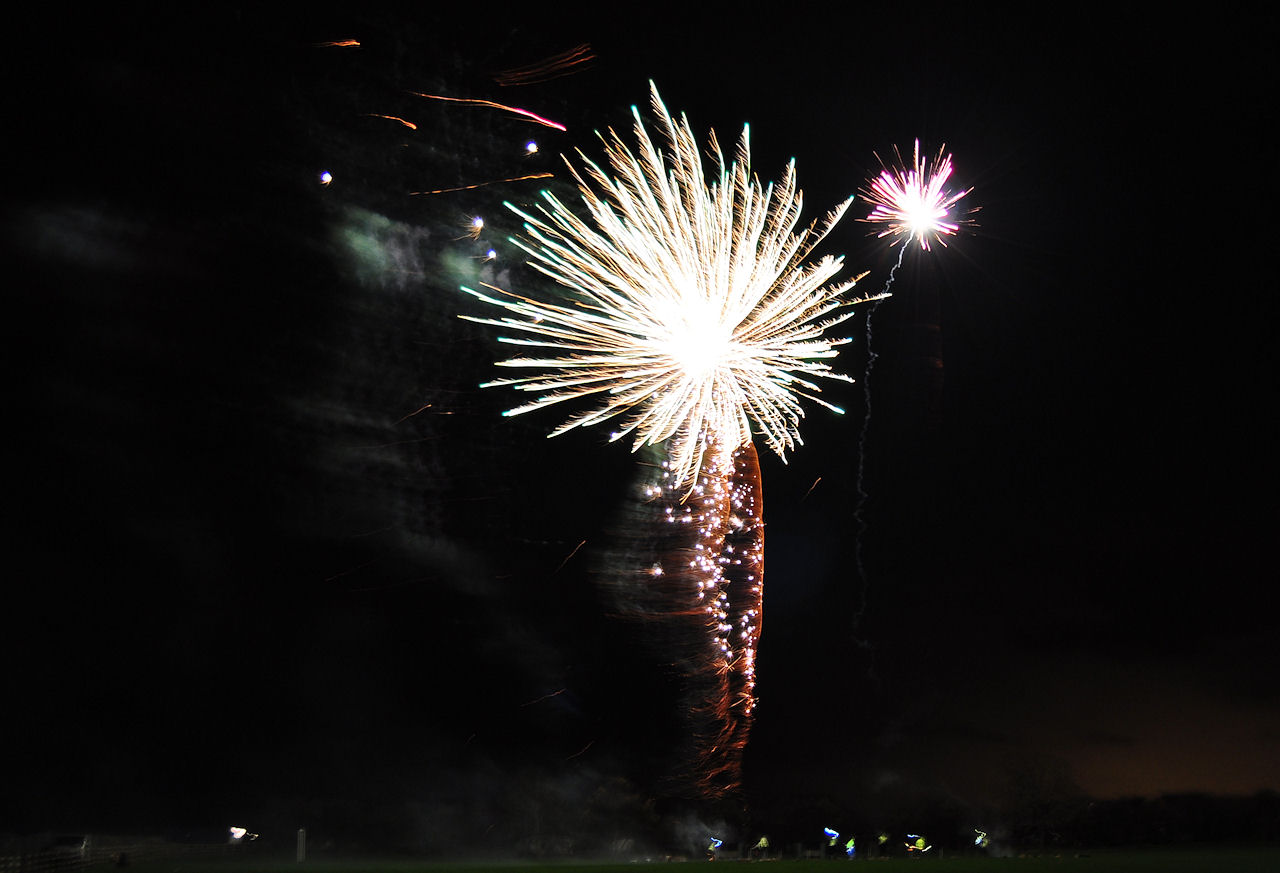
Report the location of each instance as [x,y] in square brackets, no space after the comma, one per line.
[273,553]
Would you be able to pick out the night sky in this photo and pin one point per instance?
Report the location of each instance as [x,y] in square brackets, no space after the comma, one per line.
[274,556]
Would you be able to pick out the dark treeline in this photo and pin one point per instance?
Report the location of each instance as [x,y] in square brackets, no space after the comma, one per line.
[1076,823]
[1170,819]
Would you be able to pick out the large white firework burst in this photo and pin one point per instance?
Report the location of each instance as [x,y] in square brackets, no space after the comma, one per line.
[692,312]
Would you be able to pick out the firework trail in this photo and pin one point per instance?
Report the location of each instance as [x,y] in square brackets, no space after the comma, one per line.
[483,184]
[565,63]
[860,522]
[716,575]
[685,567]
[409,124]
[472,101]
[693,315]
[909,204]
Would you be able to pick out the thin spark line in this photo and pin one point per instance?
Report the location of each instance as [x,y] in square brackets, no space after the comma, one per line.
[859,518]
[483,184]
[471,101]
[567,557]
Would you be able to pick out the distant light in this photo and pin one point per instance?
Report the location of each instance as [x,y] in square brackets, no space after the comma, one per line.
[326,177]
[531,148]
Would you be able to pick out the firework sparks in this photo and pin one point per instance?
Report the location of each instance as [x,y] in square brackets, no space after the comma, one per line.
[696,565]
[909,204]
[483,184]
[475,227]
[695,314]
[408,124]
[914,203]
[565,63]
[472,101]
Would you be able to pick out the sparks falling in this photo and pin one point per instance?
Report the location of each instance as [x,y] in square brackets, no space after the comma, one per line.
[471,101]
[565,63]
[693,314]
[483,184]
[914,203]
[714,586]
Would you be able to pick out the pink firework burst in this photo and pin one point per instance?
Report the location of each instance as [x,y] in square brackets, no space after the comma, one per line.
[914,203]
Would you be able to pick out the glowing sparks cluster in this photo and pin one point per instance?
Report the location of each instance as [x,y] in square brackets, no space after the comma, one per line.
[693,312]
[717,583]
[914,203]
[721,508]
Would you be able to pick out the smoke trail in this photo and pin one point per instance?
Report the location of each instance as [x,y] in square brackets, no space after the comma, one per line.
[858,513]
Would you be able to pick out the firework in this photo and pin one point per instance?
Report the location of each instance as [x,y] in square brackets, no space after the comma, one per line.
[408,124]
[483,184]
[693,315]
[909,204]
[721,581]
[471,101]
[914,203]
[565,63]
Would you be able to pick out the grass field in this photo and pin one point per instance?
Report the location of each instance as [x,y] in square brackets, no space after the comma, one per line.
[1229,859]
